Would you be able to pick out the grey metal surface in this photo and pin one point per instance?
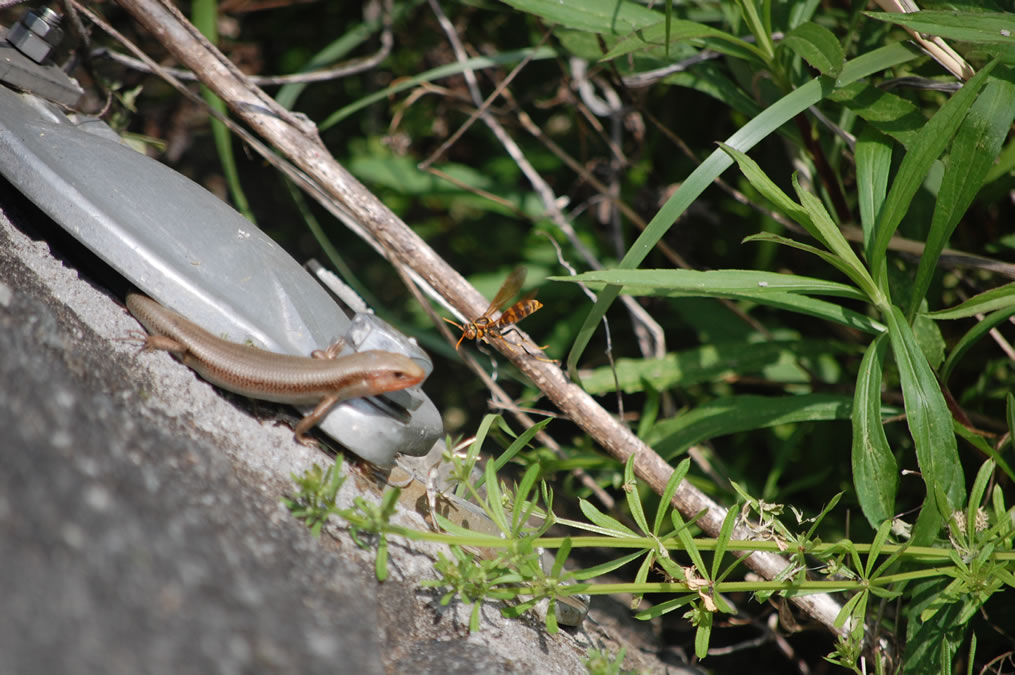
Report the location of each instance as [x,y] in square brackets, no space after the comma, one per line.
[192,252]
[19,71]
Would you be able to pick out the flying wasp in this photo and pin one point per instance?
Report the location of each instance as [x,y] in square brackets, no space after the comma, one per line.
[486,326]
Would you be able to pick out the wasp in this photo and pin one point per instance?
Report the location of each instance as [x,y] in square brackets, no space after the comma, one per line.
[487,327]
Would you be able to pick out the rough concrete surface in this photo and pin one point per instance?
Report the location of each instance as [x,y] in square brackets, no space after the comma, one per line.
[141,528]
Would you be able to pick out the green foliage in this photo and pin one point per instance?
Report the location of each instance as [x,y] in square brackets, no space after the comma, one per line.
[948,585]
[837,348]
[314,503]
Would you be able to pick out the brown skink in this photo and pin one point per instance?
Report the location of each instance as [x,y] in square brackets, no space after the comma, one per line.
[322,379]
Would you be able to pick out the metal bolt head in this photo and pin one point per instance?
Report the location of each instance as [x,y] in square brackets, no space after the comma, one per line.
[37,34]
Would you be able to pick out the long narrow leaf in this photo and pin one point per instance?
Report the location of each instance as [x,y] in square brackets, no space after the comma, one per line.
[712,282]
[742,413]
[977,144]
[930,421]
[632,495]
[873,164]
[929,144]
[671,488]
[747,137]
[475,63]
[875,472]
[977,27]
[772,297]
[971,337]
[611,17]
[709,363]
[1002,297]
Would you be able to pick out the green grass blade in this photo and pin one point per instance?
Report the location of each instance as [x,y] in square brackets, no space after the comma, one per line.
[205,15]
[873,164]
[977,144]
[928,146]
[971,337]
[680,30]
[875,472]
[763,294]
[667,497]
[476,63]
[710,363]
[978,27]
[712,283]
[611,526]
[610,17]
[733,414]
[353,37]
[633,496]
[747,137]
[1002,297]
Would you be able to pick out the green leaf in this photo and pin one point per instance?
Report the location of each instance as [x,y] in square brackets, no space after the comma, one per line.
[832,259]
[680,30]
[931,641]
[817,46]
[610,526]
[889,113]
[607,567]
[702,177]
[519,444]
[558,561]
[712,283]
[1010,415]
[929,337]
[473,453]
[880,537]
[929,144]
[976,496]
[494,499]
[519,507]
[671,489]
[702,634]
[712,80]
[632,495]
[761,292]
[875,472]
[873,164]
[611,17]
[666,607]
[811,215]
[927,414]
[772,192]
[979,27]
[708,363]
[723,541]
[837,244]
[205,15]
[978,442]
[742,413]
[381,564]
[977,144]
[687,541]
[979,330]
[449,70]
[1002,297]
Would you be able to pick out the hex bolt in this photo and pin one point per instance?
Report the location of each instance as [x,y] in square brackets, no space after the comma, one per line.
[37,34]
